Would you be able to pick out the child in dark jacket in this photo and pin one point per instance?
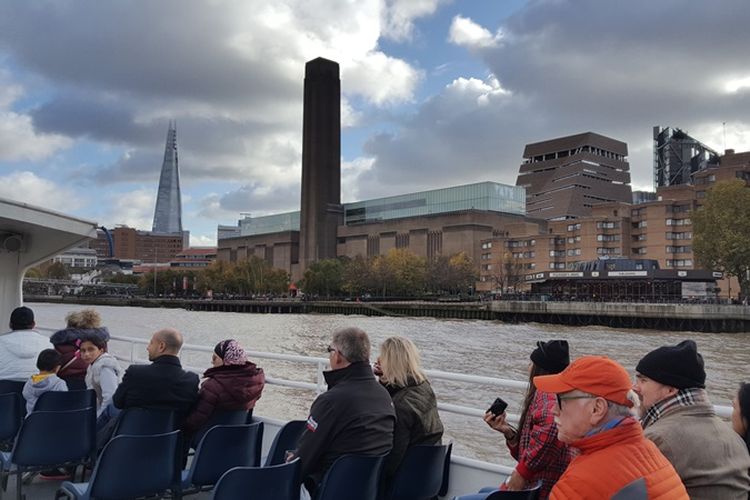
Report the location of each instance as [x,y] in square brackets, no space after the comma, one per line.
[48,363]
[233,383]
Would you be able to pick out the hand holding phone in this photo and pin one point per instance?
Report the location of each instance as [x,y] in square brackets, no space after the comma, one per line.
[498,407]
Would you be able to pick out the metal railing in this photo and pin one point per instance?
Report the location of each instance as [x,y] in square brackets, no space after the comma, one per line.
[322,363]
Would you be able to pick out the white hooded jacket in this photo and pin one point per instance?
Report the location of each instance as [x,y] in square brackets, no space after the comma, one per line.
[18,352]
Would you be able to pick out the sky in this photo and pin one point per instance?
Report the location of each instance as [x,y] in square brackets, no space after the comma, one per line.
[435,93]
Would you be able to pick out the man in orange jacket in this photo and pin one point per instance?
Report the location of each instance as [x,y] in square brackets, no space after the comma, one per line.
[593,415]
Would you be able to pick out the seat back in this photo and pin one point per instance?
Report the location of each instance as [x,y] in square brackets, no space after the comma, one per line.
[11,415]
[65,400]
[351,476]
[224,447]
[633,491]
[9,385]
[230,417]
[55,437]
[445,484]
[420,474]
[280,482]
[531,493]
[136,466]
[144,422]
[286,439]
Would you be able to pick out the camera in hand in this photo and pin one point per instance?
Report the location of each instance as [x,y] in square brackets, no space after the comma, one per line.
[498,407]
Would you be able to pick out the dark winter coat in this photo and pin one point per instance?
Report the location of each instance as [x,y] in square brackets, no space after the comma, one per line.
[227,387]
[163,384]
[355,416]
[417,422]
[66,342]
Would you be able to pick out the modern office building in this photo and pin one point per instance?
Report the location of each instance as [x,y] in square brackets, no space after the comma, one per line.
[168,212]
[428,223]
[565,177]
[677,156]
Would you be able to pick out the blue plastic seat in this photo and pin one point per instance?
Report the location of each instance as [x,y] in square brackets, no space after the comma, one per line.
[144,422]
[286,439]
[222,448]
[230,417]
[277,482]
[635,490]
[11,415]
[351,476]
[445,484]
[531,493]
[420,474]
[130,467]
[65,400]
[50,439]
[11,385]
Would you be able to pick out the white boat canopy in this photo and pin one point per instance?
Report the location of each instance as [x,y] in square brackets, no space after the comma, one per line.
[30,235]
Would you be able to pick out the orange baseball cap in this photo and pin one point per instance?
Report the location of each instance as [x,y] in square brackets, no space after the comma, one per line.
[597,375]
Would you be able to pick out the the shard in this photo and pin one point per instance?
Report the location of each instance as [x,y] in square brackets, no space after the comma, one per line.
[168,213]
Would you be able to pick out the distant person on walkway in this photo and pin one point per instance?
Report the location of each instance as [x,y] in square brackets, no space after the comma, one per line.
[81,324]
[233,383]
[417,418]
[678,417]
[48,363]
[103,374]
[593,415]
[163,384]
[540,455]
[741,414]
[355,415]
[20,347]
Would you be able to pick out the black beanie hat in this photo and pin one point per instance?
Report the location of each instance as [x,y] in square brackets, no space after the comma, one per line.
[679,366]
[551,356]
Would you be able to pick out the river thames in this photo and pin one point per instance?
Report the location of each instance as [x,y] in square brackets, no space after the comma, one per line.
[473,347]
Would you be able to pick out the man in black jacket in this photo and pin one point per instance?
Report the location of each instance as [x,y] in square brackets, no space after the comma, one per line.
[355,415]
[163,384]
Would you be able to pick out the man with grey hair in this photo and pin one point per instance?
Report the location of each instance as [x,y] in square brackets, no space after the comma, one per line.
[593,416]
[356,414]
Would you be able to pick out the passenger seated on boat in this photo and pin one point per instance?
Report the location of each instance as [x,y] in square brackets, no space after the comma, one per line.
[741,414]
[163,384]
[103,374]
[20,346]
[355,415]
[593,415]
[678,417]
[417,420]
[81,324]
[48,363]
[540,455]
[232,383]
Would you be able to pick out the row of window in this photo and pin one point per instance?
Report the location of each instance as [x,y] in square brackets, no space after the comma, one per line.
[607,225]
[607,237]
[678,222]
[607,251]
[524,255]
[679,262]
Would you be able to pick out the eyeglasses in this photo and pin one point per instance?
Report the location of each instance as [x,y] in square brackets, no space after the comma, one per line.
[560,399]
[331,349]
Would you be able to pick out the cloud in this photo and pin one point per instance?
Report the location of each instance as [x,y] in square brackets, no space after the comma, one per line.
[27,187]
[466,33]
[202,240]
[399,16]
[133,208]
[18,139]
[552,71]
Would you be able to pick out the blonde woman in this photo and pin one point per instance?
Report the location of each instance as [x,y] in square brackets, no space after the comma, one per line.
[417,420]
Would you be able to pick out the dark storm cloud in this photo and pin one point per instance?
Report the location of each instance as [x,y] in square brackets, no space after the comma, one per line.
[140,47]
[616,68]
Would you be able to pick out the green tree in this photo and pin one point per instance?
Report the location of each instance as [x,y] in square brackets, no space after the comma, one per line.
[462,271]
[407,272]
[324,278]
[34,272]
[357,278]
[721,232]
[57,271]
